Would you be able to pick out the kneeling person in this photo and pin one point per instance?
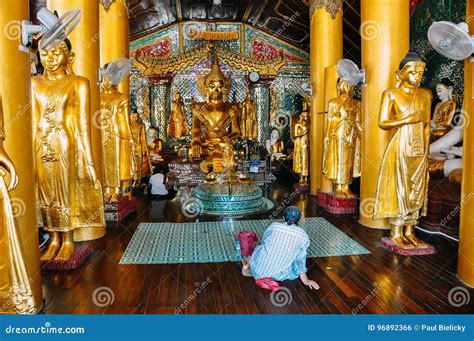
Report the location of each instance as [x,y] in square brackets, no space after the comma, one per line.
[282,253]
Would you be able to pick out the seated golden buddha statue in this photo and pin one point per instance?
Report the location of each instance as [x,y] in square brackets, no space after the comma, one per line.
[154,144]
[117,143]
[177,126]
[342,140]
[248,120]
[215,115]
[402,189]
[69,193]
[275,145]
[444,110]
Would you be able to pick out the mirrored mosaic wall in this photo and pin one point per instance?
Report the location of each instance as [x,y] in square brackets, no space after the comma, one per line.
[277,100]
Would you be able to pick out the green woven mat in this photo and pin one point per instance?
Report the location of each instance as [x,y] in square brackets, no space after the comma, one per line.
[206,242]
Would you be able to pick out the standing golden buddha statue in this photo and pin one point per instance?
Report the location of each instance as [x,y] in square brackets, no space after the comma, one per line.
[444,111]
[248,120]
[301,146]
[177,126]
[140,149]
[117,143]
[402,189]
[215,115]
[69,192]
[16,295]
[341,155]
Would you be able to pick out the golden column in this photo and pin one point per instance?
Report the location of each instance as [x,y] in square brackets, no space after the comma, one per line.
[14,85]
[385,33]
[114,35]
[85,45]
[325,50]
[466,228]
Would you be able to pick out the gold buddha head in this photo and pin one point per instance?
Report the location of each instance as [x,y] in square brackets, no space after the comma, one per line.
[411,71]
[215,83]
[178,96]
[58,58]
[134,117]
[344,88]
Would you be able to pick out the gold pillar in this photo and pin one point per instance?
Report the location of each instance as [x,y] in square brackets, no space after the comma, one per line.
[85,45]
[330,92]
[325,50]
[15,84]
[466,228]
[114,36]
[385,41]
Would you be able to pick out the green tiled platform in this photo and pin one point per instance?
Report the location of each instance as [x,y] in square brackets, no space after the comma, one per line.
[206,242]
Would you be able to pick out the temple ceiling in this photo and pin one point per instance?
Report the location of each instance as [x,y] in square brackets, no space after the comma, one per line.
[287,20]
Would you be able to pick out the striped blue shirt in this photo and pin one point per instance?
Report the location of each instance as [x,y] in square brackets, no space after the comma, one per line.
[282,253]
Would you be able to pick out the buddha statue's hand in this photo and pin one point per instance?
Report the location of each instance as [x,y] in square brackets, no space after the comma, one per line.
[7,164]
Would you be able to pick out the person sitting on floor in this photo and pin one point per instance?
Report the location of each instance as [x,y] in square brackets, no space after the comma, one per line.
[158,188]
[282,254]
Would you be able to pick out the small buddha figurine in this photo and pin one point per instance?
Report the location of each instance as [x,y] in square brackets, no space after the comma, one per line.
[69,193]
[117,142]
[248,122]
[402,187]
[214,115]
[154,144]
[341,140]
[177,126]
[301,148]
[140,149]
[16,294]
[275,146]
[444,110]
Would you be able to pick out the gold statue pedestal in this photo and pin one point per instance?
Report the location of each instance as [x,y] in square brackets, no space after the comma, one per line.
[416,251]
[337,205]
[81,252]
[119,210]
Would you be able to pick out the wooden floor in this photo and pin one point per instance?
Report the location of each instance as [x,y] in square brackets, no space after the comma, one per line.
[378,283]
